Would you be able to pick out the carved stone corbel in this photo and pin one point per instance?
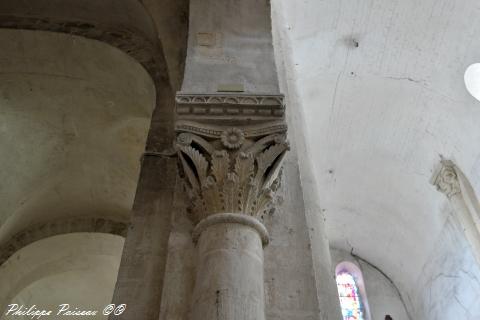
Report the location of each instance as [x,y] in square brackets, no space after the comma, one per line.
[446,180]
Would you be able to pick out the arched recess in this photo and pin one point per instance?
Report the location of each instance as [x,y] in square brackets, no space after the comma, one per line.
[120,24]
[79,260]
[349,278]
[75,118]
[124,24]
[59,227]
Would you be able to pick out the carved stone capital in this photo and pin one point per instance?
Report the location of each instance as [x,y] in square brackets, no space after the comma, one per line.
[230,150]
[446,179]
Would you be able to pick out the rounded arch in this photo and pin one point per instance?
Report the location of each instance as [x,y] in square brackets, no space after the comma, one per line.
[60,226]
[349,274]
[76,118]
[80,256]
[127,26]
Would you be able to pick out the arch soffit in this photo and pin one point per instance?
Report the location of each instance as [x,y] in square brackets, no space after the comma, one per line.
[61,227]
[80,249]
[127,26]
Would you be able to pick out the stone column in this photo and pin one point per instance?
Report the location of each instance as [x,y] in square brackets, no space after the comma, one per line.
[230,147]
[450,181]
[229,282]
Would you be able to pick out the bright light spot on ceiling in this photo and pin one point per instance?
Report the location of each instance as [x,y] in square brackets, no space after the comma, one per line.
[472,80]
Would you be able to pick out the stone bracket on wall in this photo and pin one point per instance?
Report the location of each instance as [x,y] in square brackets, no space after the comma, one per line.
[230,149]
[445,179]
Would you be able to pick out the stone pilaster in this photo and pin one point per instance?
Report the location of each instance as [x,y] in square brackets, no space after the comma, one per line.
[230,149]
[449,180]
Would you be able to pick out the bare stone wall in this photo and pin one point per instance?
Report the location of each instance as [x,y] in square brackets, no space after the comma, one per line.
[289,276]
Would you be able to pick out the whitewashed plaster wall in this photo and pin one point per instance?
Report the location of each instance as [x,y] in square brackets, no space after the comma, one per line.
[380,85]
[449,283]
[382,296]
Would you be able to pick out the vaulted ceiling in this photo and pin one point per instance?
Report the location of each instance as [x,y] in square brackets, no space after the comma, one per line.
[382,90]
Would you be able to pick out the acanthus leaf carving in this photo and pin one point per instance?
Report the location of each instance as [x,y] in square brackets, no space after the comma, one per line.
[220,163]
[228,171]
[267,159]
[244,167]
[199,162]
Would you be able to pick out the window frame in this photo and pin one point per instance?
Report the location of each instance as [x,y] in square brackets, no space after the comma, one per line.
[356,273]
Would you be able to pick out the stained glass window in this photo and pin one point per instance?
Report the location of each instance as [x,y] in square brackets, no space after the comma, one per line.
[349,297]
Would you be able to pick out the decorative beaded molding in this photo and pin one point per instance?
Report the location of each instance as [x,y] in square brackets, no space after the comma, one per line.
[446,179]
[216,131]
[57,227]
[234,107]
[229,99]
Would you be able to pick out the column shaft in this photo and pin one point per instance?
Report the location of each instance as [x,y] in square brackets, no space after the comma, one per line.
[467,223]
[450,180]
[229,281]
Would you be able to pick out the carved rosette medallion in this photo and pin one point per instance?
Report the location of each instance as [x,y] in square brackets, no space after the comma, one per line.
[446,179]
[230,154]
